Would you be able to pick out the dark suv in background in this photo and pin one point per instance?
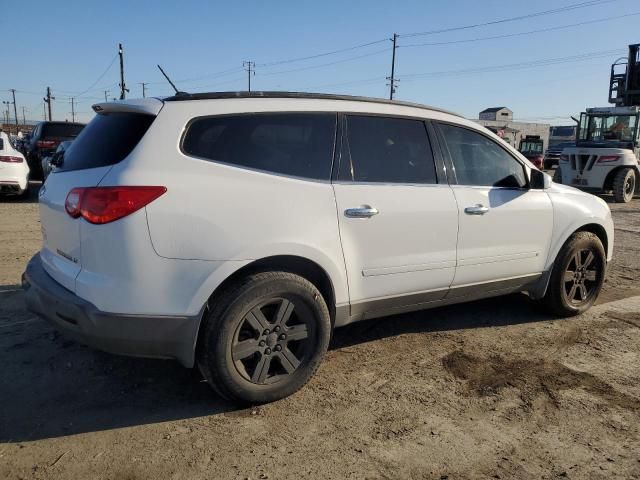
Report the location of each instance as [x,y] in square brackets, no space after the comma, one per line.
[45,138]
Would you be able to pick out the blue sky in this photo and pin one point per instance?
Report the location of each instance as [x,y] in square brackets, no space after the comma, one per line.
[68,46]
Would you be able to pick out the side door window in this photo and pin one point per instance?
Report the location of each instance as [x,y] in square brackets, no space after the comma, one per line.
[296,144]
[386,150]
[480,161]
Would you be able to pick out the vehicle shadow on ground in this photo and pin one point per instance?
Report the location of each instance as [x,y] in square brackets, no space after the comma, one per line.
[54,387]
[32,197]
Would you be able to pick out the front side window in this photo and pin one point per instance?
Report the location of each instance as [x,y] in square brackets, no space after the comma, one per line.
[480,161]
[297,144]
[388,150]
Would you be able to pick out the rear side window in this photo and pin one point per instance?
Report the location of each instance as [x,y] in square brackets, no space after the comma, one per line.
[297,144]
[480,161]
[106,140]
[389,150]
[64,130]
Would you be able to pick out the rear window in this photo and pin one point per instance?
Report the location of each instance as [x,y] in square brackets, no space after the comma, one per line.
[297,144]
[106,140]
[67,130]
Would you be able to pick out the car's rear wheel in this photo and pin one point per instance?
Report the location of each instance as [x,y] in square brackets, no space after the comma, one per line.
[624,185]
[557,175]
[577,275]
[264,337]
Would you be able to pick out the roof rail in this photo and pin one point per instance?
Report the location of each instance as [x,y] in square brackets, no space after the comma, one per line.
[181,97]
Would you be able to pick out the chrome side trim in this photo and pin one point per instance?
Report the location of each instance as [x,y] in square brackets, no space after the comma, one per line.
[372,272]
[465,262]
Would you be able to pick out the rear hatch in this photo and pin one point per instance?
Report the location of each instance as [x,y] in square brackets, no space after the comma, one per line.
[107,140]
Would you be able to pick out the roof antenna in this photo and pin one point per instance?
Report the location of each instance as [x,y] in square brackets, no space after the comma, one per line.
[178,92]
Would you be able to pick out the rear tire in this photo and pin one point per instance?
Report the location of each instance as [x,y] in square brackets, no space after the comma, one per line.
[264,337]
[624,185]
[577,276]
[557,175]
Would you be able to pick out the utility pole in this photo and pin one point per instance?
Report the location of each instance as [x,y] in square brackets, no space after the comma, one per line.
[73,110]
[144,91]
[106,93]
[44,108]
[392,79]
[251,69]
[123,87]
[24,117]
[15,109]
[48,99]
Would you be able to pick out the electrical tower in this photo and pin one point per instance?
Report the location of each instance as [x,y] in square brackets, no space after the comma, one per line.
[47,100]
[15,109]
[251,70]
[123,87]
[393,83]
[73,109]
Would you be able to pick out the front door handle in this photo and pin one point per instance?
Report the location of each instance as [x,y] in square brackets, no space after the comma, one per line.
[477,209]
[365,211]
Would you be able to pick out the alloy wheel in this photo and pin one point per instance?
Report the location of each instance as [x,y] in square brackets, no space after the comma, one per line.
[581,277]
[273,339]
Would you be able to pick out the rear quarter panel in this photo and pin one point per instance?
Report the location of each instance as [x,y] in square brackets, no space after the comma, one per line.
[219,213]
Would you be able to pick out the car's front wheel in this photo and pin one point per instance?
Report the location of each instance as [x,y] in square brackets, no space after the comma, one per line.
[577,275]
[264,337]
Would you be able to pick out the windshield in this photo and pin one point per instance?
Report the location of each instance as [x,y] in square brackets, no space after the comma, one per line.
[531,147]
[608,128]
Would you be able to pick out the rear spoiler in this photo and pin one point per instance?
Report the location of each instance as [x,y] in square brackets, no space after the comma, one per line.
[149,106]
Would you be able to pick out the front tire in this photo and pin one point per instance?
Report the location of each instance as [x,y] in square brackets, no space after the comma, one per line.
[264,337]
[624,185]
[577,276]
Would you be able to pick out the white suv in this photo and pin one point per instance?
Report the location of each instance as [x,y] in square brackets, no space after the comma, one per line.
[235,231]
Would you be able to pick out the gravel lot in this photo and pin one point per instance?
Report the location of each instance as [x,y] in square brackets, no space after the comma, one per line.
[492,389]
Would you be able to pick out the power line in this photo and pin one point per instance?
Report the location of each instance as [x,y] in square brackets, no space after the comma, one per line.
[514,66]
[566,8]
[310,57]
[99,78]
[311,67]
[509,35]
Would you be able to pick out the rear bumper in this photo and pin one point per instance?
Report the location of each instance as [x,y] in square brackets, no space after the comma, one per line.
[135,335]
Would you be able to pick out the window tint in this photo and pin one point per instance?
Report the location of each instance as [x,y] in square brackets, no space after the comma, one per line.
[66,130]
[391,150]
[298,144]
[106,140]
[479,160]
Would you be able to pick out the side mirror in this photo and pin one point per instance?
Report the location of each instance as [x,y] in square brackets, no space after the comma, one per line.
[539,180]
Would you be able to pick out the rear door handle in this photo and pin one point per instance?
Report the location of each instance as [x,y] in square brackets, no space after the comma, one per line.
[365,211]
[477,209]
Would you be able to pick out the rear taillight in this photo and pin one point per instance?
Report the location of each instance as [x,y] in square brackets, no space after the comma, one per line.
[608,158]
[564,158]
[10,159]
[46,143]
[106,204]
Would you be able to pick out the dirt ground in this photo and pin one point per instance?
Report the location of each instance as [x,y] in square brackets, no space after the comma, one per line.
[492,389]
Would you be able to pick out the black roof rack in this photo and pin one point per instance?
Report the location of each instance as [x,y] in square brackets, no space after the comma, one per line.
[181,97]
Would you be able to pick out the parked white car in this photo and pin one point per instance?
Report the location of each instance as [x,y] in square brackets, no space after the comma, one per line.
[236,231]
[14,171]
